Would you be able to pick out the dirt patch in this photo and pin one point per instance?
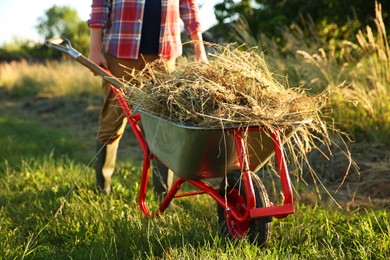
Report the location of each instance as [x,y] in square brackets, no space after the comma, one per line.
[367,181]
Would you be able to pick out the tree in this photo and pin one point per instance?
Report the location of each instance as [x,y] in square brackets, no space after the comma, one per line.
[268,16]
[63,21]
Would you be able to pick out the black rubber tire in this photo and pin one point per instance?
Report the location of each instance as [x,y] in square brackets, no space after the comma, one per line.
[259,230]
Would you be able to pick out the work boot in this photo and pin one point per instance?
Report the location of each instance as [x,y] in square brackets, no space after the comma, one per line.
[105,165]
[162,179]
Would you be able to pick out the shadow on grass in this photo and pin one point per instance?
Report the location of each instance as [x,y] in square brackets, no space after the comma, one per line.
[23,140]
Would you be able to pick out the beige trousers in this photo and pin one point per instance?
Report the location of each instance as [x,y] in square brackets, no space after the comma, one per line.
[112,124]
[112,120]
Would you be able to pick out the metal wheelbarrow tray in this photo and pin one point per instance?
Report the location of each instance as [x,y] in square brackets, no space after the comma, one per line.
[196,154]
[199,152]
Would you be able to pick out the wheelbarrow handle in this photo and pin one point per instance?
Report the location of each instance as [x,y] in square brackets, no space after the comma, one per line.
[64,45]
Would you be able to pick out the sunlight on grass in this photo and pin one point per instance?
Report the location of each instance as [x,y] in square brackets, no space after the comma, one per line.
[356,72]
[52,77]
[363,75]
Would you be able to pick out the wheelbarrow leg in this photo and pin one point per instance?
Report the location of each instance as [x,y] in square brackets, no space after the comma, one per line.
[246,173]
[171,194]
[144,186]
[282,167]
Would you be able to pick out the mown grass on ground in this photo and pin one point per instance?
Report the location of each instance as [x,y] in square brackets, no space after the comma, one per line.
[49,209]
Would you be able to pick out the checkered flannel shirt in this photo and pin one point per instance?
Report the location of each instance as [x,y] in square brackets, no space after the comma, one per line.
[122,24]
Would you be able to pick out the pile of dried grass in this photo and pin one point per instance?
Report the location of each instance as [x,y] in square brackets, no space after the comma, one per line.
[235,88]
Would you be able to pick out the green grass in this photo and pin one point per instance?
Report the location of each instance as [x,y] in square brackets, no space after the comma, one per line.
[21,140]
[49,209]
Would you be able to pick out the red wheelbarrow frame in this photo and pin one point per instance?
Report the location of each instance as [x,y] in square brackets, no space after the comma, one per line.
[280,211]
[252,212]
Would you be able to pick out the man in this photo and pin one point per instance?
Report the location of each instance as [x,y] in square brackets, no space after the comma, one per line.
[128,34]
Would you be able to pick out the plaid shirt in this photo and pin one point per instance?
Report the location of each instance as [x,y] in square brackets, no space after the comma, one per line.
[122,24]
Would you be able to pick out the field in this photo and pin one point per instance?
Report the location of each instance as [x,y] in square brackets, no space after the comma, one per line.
[49,207]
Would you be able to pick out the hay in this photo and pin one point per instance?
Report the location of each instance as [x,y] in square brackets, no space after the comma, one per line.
[235,88]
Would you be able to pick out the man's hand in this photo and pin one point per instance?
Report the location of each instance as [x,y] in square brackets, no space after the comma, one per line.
[200,56]
[200,52]
[98,58]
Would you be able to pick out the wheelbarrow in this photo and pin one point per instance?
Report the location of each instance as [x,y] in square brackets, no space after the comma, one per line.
[198,154]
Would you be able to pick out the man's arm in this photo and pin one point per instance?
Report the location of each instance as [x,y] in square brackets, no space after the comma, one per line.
[98,21]
[95,47]
[189,13]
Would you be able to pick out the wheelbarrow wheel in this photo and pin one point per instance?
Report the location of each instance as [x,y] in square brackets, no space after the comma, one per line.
[256,230]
